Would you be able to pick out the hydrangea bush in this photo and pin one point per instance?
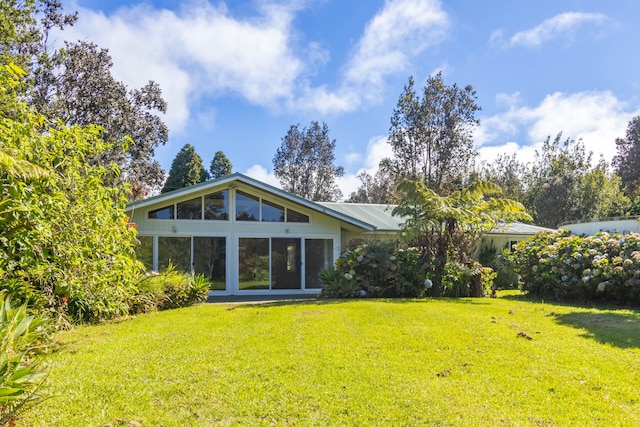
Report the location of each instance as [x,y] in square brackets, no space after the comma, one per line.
[605,267]
[377,269]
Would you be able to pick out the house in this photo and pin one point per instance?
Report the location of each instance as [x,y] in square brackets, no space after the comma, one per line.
[250,238]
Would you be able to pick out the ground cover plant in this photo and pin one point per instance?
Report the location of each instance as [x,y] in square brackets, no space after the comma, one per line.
[503,361]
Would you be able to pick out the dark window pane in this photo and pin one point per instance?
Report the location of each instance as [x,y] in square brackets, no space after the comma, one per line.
[247,207]
[209,258]
[216,205]
[191,209]
[293,216]
[318,255]
[162,213]
[253,268]
[175,251]
[272,212]
[144,251]
[285,263]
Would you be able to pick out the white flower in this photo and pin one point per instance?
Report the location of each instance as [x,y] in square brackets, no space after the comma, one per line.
[352,272]
[392,258]
[360,258]
[348,276]
[602,286]
[428,284]
[363,293]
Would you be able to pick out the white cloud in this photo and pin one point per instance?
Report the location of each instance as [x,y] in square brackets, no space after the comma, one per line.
[200,50]
[261,174]
[562,24]
[597,117]
[402,30]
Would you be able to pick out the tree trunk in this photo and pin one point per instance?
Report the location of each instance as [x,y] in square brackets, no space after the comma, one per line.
[476,286]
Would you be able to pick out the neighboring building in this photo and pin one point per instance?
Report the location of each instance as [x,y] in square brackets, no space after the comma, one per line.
[248,237]
[622,225]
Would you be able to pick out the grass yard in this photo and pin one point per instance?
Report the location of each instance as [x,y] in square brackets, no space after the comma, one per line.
[467,362]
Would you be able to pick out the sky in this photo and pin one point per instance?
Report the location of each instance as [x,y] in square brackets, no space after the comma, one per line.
[238,74]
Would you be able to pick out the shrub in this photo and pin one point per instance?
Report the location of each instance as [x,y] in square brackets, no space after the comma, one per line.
[377,269]
[170,289]
[22,336]
[603,267]
[500,263]
[458,279]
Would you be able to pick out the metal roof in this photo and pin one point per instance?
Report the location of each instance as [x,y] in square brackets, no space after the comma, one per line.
[377,215]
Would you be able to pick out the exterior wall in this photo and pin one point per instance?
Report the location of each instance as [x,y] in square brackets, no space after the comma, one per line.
[320,226]
[590,228]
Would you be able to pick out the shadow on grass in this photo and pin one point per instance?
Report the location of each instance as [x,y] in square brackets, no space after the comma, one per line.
[618,329]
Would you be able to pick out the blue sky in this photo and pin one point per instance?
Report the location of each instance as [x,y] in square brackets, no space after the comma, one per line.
[238,74]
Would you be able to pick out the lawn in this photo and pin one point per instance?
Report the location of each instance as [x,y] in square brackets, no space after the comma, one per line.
[466,362]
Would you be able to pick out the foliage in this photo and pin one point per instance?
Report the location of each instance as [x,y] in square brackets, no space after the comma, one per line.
[447,229]
[431,136]
[169,289]
[64,234]
[626,162]
[220,166]
[379,188]
[508,173]
[22,336]
[500,263]
[75,85]
[358,362]
[562,185]
[304,163]
[376,269]
[186,169]
[573,268]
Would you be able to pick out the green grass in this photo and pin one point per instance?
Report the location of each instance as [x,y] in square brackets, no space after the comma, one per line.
[366,362]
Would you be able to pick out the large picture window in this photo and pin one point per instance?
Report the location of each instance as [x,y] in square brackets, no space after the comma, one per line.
[253,263]
[175,251]
[216,205]
[210,259]
[318,256]
[247,207]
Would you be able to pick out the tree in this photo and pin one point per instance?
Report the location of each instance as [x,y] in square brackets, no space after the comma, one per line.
[447,228]
[186,169]
[304,163]
[220,166]
[562,185]
[508,173]
[75,85]
[431,135]
[626,162]
[378,188]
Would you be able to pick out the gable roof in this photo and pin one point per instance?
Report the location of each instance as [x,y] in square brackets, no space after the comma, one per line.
[238,177]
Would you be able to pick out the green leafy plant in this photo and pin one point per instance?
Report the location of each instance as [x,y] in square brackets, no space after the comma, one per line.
[22,336]
[169,289]
[605,267]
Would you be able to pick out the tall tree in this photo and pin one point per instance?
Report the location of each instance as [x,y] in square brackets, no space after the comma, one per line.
[431,136]
[75,85]
[304,163]
[562,185]
[186,169]
[220,166]
[379,188]
[626,162]
[508,173]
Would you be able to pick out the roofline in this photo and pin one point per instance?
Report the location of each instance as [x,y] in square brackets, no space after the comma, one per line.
[254,183]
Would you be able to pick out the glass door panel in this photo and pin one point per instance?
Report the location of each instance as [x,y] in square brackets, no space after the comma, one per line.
[175,251]
[253,263]
[210,259]
[285,263]
[318,255]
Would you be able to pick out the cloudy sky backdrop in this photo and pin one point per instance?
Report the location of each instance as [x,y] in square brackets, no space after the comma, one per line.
[238,74]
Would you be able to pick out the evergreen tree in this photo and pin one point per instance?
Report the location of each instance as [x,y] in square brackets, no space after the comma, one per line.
[186,169]
[220,166]
[626,162]
[431,135]
[304,163]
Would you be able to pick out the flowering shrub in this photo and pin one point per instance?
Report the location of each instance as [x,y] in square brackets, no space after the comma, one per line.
[458,280]
[377,269]
[602,267]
